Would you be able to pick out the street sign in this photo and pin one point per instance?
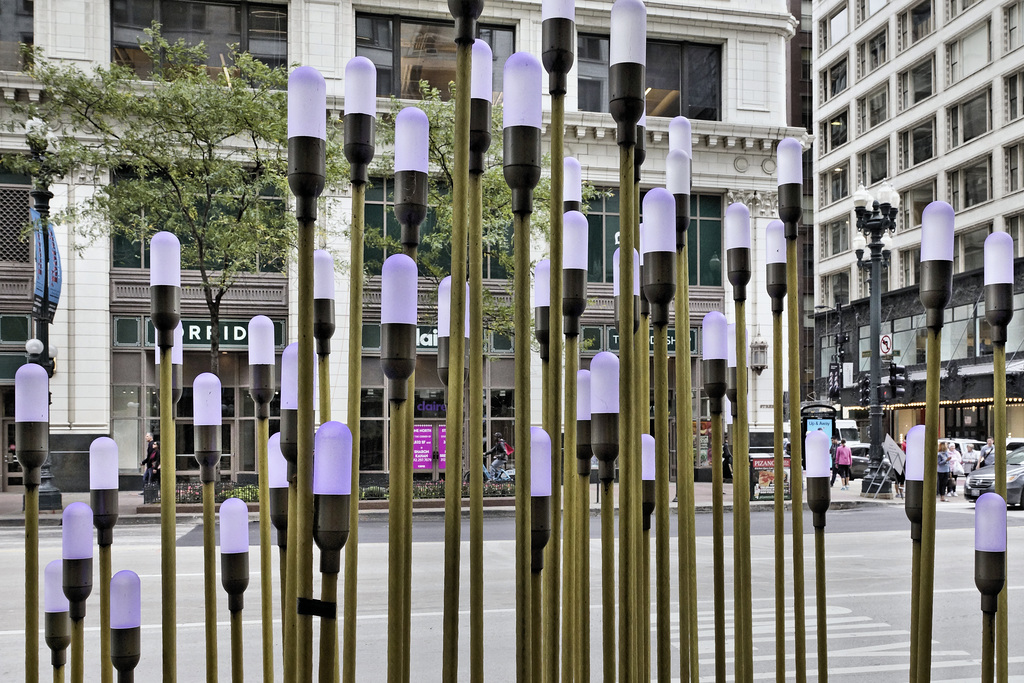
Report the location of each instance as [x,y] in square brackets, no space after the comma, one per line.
[885,344]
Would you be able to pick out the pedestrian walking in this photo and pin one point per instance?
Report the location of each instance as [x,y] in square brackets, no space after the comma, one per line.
[988,454]
[832,456]
[844,459]
[956,467]
[943,471]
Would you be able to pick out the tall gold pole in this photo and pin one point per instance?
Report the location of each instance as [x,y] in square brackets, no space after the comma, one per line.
[476,431]
[32,579]
[266,569]
[77,650]
[689,661]
[400,540]
[820,601]
[353,398]
[288,618]
[796,459]
[741,506]
[608,580]
[573,594]
[641,590]
[524,619]
[662,559]
[999,434]
[210,580]
[323,368]
[106,666]
[718,541]
[456,371]
[931,447]
[779,509]
[168,565]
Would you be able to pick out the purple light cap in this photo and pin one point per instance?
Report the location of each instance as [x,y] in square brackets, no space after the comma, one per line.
[999,259]
[290,377]
[125,600]
[31,394]
[261,341]
[444,307]
[76,532]
[177,351]
[542,283]
[165,260]
[277,466]
[636,273]
[523,81]
[206,400]
[715,333]
[817,444]
[323,275]
[398,290]
[646,457]
[307,104]
[54,599]
[990,523]
[677,172]
[558,9]
[361,87]
[914,467]
[582,395]
[660,221]
[775,242]
[540,462]
[481,85]
[730,345]
[572,180]
[737,226]
[642,122]
[332,460]
[604,383]
[790,162]
[628,42]
[680,136]
[103,472]
[575,235]
[412,140]
[937,222]
[234,526]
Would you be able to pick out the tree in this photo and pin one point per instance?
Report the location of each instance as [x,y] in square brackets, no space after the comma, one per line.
[197,152]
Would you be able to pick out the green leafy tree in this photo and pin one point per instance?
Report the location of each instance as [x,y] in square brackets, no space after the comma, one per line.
[197,152]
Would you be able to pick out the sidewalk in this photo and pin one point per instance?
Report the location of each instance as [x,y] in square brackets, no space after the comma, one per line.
[132,510]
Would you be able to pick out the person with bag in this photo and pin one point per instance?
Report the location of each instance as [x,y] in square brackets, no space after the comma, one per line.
[943,472]
[956,467]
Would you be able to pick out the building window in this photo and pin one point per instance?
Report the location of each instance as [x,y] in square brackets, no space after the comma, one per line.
[970,184]
[835,237]
[917,144]
[969,249]
[835,184]
[873,109]
[1012,86]
[873,53]
[833,28]
[910,266]
[1013,19]
[407,51]
[1014,157]
[913,203]
[874,164]
[1015,226]
[968,53]
[16,28]
[835,287]
[806,63]
[706,258]
[916,83]
[603,217]
[970,118]
[259,29]
[955,7]
[14,217]
[834,80]
[835,132]
[592,75]
[915,23]
[868,8]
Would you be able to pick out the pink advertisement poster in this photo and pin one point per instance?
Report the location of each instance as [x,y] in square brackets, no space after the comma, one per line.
[423,446]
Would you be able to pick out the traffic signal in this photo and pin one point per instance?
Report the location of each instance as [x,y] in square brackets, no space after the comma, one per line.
[835,381]
[865,390]
[897,380]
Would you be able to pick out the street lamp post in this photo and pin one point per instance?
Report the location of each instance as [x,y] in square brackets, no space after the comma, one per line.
[876,219]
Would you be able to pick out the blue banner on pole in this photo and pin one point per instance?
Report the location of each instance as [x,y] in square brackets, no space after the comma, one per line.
[46,286]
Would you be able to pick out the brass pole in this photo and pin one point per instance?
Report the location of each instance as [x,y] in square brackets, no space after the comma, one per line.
[456,371]
[796,448]
[32,580]
[323,367]
[404,516]
[303,536]
[642,634]
[999,433]
[237,666]
[536,595]
[741,506]
[988,647]
[476,432]
[915,604]
[521,318]
[779,509]
[573,593]
[328,629]
[106,666]
[931,447]
[820,603]
[283,562]
[77,650]
[288,617]
[689,660]
[608,580]
[168,564]
[661,511]
[628,438]
[398,542]
[210,580]
[353,398]
[266,568]
[718,540]
[553,399]
[646,536]
[58,674]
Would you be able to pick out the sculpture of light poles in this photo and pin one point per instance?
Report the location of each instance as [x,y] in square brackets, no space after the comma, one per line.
[876,219]
[936,290]
[989,570]
[125,624]
[604,440]
[103,485]
[165,312]
[76,551]
[277,480]
[540,529]
[234,572]
[360,132]
[288,444]
[56,624]
[207,420]
[913,470]
[323,325]
[819,495]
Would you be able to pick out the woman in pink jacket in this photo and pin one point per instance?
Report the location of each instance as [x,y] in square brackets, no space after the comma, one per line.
[844,458]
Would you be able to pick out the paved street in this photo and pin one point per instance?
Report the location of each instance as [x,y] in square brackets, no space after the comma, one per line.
[868,603]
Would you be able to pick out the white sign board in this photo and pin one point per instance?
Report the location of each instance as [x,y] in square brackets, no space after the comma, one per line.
[885,344]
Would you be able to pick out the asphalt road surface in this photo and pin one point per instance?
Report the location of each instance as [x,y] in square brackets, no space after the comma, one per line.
[868,569]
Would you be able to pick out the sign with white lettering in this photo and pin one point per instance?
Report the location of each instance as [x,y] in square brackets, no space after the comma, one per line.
[199,333]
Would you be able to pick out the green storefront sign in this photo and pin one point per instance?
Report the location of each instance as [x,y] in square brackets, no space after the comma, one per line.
[613,340]
[199,333]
